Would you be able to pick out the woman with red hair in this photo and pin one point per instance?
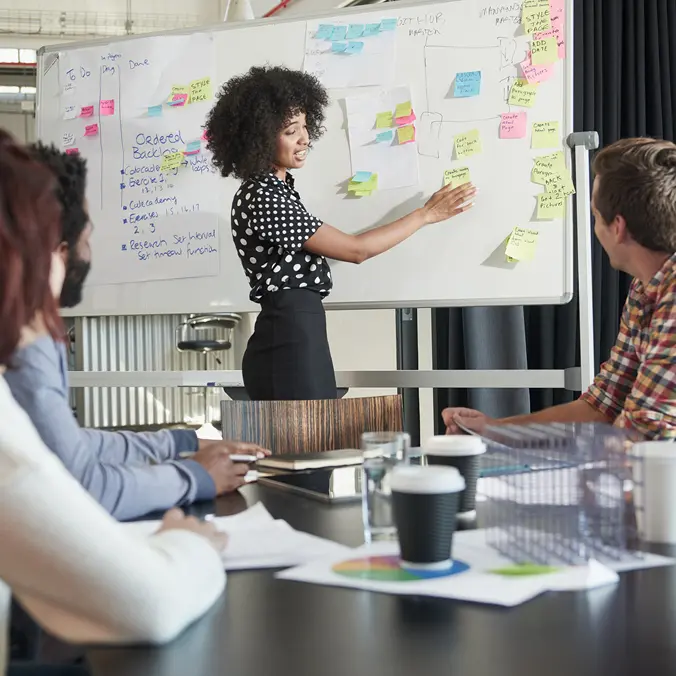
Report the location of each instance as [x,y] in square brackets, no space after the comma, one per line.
[79,573]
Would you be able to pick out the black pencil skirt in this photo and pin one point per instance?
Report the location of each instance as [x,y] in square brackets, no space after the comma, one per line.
[288,355]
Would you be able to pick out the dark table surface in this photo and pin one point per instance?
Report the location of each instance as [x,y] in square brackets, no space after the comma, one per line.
[263,626]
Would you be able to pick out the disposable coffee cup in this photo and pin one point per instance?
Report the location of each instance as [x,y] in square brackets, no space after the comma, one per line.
[654,473]
[464,453]
[424,505]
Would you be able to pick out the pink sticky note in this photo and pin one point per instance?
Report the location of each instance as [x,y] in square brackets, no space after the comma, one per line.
[513,125]
[556,6]
[409,119]
[72,151]
[204,136]
[107,107]
[536,74]
[92,130]
[554,33]
[178,100]
[86,111]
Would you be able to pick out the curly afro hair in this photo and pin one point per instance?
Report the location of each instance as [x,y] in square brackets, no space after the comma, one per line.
[252,109]
[71,175]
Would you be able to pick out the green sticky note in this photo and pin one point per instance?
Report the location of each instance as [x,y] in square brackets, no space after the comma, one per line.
[524,569]
[546,135]
[522,244]
[200,90]
[363,186]
[171,161]
[468,144]
[551,205]
[406,134]
[544,52]
[403,109]
[363,193]
[457,177]
[384,120]
[523,94]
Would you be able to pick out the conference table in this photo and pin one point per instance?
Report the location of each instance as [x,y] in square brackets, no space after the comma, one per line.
[267,627]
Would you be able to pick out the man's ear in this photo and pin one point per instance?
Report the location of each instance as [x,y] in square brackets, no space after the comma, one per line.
[62,250]
[619,227]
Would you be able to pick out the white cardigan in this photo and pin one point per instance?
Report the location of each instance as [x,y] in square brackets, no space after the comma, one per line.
[74,568]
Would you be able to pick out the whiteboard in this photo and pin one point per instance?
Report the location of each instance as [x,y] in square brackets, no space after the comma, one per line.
[457,263]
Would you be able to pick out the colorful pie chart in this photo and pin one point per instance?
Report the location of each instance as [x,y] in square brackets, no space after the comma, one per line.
[388,569]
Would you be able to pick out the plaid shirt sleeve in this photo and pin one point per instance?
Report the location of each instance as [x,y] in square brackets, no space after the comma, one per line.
[614,383]
[651,407]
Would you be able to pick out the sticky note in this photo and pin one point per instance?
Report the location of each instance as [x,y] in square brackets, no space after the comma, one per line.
[513,125]
[385,136]
[406,134]
[200,90]
[355,30]
[171,161]
[467,84]
[339,33]
[70,112]
[338,47]
[107,107]
[367,186]
[536,17]
[536,74]
[154,111]
[388,24]
[409,119]
[523,94]
[324,31]
[192,148]
[552,161]
[68,139]
[69,89]
[544,52]
[384,120]
[178,100]
[551,205]
[546,135]
[457,177]
[362,176]
[468,144]
[91,130]
[371,29]
[363,193]
[87,111]
[560,180]
[354,47]
[180,89]
[522,244]
[555,32]
[72,151]
[204,136]
[403,109]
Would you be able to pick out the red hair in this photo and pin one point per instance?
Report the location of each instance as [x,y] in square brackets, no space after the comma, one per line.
[30,223]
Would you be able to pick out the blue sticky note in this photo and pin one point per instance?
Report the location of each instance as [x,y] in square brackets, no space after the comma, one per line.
[338,33]
[388,24]
[338,46]
[154,111]
[354,47]
[361,177]
[356,30]
[385,136]
[467,84]
[324,31]
[193,147]
[371,29]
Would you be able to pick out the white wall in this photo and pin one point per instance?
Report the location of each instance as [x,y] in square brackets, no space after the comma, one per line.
[20,125]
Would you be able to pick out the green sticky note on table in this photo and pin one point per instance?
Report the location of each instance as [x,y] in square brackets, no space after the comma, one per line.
[200,90]
[406,134]
[457,177]
[468,144]
[522,244]
[544,52]
[523,94]
[546,135]
[171,161]
[403,109]
[384,120]
[551,205]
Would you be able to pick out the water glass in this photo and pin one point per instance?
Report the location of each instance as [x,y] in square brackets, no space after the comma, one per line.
[382,452]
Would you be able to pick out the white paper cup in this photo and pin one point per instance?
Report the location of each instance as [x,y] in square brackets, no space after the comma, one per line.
[654,470]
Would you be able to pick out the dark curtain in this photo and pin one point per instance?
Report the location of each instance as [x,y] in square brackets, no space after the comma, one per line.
[625,65]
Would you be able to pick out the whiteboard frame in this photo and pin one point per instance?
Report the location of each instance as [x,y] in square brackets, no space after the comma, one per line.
[45,63]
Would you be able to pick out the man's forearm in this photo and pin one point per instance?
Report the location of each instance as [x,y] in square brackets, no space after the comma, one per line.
[575,411]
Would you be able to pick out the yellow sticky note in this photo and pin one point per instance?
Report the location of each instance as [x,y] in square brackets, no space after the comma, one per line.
[539,175]
[365,186]
[551,205]
[384,120]
[171,161]
[544,52]
[552,161]
[457,177]
[546,135]
[468,144]
[560,181]
[200,90]
[403,109]
[536,16]
[406,134]
[523,94]
[522,244]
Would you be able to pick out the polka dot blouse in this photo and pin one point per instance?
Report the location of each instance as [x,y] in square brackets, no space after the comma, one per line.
[270,225]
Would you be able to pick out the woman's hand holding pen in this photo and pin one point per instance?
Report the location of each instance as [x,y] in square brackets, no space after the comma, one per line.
[449,202]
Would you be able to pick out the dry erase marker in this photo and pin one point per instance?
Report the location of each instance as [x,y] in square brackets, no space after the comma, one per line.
[243,458]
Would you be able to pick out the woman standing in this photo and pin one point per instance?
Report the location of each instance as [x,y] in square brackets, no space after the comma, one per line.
[262,126]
